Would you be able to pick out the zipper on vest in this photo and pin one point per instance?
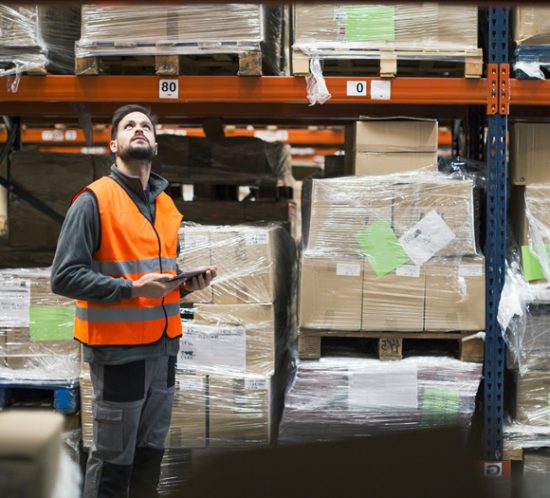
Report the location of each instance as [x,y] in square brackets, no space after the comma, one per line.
[160,266]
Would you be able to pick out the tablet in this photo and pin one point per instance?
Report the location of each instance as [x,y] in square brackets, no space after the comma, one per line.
[188,275]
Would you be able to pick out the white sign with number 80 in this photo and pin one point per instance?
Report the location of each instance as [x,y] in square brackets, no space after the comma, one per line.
[168,89]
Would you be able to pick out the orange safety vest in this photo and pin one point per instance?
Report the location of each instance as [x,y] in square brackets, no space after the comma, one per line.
[130,247]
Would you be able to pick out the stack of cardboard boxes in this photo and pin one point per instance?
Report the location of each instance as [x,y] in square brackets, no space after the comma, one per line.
[531,36]
[529,214]
[36,330]
[395,252]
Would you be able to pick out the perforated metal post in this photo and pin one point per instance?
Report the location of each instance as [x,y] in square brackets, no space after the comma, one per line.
[497,173]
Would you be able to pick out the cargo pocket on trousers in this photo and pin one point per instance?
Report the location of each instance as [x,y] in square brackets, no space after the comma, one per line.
[109,435]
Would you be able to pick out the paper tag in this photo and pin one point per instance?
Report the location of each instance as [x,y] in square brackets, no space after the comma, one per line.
[408,271]
[427,237]
[58,136]
[380,90]
[339,13]
[256,239]
[255,383]
[213,347]
[191,384]
[70,135]
[348,270]
[168,89]
[470,270]
[383,387]
[356,88]
[47,135]
[194,241]
[15,302]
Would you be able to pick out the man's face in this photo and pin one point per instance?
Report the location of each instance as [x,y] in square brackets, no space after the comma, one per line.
[135,138]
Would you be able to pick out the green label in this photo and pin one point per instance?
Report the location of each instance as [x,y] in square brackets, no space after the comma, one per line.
[369,22]
[441,405]
[381,247]
[51,323]
[532,270]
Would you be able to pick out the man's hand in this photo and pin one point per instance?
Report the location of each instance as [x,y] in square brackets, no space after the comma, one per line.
[200,282]
[154,285]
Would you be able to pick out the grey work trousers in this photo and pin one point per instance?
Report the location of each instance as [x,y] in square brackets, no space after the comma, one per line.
[132,407]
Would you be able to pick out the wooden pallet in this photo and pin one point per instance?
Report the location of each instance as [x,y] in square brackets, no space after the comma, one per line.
[64,398]
[134,58]
[391,345]
[391,63]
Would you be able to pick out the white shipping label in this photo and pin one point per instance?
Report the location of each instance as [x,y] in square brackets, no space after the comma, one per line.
[191,384]
[348,270]
[383,387]
[408,271]
[168,89]
[194,241]
[212,347]
[426,238]
[15,302]
[470,270]
[256,239]
[255,383]
[380,90]
[58,135]
[356,88]
[47,135]
[70,135]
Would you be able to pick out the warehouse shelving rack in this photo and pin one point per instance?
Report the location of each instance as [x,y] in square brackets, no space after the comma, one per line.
[271,100]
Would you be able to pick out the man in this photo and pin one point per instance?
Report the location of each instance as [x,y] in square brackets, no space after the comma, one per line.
[117,256]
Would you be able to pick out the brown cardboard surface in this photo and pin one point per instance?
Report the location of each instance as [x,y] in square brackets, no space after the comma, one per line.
[259,323]
[532,25]
[240,415]
[516,214]
[387,163]
[331,298]
[188,423]
[394,302]
[455,294]
[532,398]
[402,135]
[529,152]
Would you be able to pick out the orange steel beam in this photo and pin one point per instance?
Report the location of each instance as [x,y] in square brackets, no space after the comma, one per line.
[530,92]
[235,89]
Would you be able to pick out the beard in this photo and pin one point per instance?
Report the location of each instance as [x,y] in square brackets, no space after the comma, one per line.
[137,153]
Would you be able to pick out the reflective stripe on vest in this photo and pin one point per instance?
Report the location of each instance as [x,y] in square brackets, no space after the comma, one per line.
[130,247]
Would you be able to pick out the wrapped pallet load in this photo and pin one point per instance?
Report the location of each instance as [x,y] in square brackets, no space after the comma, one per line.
[36,330]
[340,397]
[387,32]
[248,30]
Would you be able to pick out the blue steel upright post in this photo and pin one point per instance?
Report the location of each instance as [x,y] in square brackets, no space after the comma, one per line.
[497,174]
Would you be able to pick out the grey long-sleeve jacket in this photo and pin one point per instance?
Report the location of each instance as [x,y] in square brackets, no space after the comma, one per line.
[73,277]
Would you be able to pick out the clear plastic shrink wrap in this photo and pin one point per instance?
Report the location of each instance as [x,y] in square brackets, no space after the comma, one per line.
[21,45]
[350,31]
[235,160]
[36,330]
[343,397]
[532,37]
[393,253]
[185,29]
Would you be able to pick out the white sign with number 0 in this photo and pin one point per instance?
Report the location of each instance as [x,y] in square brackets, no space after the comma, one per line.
[168,89]
[356,88]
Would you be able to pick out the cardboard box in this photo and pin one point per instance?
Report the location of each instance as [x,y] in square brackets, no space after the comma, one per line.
[533,344]
[532,25]
[532,398]
[394,302]
[242,410]
[188,423]
[375,146]
[529,151]
[236,338]
[30,452]
[455,294]
[336,216]
[331,293]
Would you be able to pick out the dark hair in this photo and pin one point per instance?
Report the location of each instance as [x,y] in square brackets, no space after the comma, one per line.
[127,109]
